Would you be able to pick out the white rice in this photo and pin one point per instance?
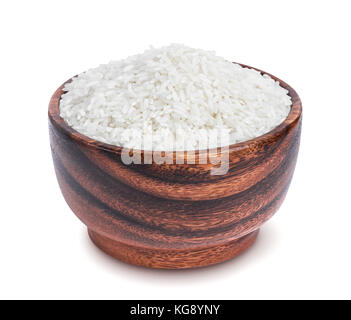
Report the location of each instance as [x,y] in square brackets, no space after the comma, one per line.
[173,98]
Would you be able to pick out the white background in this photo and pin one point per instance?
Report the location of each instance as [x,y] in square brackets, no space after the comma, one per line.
[302,252]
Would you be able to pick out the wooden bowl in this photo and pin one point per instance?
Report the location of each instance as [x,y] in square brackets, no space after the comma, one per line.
[174,216]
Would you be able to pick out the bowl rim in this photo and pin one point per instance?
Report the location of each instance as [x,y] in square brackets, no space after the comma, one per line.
[272,135]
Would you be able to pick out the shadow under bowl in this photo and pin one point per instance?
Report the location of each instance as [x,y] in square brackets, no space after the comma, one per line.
[174,216]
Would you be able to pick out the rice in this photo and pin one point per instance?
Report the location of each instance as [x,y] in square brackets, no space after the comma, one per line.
[173,98]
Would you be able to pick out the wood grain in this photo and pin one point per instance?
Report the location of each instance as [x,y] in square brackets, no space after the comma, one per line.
[174,215]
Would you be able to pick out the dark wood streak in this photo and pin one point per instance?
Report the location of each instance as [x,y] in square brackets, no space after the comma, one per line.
[186,233]
[174,216]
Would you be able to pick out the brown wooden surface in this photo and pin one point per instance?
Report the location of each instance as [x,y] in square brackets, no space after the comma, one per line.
[174,216]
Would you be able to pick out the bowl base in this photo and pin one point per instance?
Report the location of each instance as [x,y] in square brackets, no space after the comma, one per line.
[173,258]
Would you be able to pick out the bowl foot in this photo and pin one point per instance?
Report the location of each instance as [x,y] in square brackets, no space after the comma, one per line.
[173,258]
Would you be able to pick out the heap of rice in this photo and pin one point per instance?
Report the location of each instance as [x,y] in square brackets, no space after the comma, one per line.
[173,98]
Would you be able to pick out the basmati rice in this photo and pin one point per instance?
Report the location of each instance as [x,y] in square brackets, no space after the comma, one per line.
[173,98]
